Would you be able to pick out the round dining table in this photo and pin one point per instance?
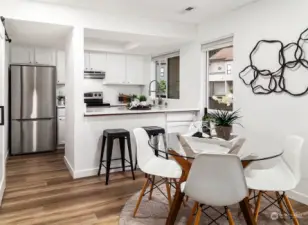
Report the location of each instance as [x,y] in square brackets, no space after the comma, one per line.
[184,149]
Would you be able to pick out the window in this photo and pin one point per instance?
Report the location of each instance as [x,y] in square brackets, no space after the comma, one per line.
[168,75]
[219,80]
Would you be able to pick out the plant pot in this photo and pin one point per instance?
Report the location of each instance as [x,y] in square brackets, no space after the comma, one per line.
[223,132]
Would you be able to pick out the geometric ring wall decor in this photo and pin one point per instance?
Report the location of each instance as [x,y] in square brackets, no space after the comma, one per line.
[276,80]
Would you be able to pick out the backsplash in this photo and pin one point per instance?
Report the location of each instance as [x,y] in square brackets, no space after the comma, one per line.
[111,93]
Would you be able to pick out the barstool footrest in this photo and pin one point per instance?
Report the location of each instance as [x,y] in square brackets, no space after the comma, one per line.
[112,168]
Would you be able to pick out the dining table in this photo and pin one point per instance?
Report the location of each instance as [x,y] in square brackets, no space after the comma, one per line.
[184,149]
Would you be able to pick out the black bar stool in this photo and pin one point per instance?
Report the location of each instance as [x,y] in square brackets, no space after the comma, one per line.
[154,132]
[111,135]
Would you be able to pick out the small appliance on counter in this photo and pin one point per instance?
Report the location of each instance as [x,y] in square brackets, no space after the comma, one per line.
[95,99]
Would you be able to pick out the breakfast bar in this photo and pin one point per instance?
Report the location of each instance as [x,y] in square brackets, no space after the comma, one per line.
[96,120]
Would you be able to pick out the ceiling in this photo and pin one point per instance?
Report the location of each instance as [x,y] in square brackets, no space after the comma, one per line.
[131,43]
[39,34]
[170,10]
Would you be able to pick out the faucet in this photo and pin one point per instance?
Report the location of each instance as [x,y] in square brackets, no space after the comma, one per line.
[157,87]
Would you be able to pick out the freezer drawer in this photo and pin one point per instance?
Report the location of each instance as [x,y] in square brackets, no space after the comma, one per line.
[29,136]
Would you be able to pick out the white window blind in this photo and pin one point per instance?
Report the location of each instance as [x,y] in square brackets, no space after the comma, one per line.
[219,43]
[165,56]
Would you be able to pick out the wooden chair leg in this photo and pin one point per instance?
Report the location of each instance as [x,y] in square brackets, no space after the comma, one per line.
[146,183]
[151,187]
[258,205]
[198,216]
[230,218]
[283,213]
[168,193]
[191,216]
[286,199]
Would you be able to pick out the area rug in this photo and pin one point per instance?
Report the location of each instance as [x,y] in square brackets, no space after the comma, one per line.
[155,211]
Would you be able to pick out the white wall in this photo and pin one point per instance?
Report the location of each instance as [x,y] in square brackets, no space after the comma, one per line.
[74,97]
[275,116]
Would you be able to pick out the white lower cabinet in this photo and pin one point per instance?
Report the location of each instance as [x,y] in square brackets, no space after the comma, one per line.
[61,130]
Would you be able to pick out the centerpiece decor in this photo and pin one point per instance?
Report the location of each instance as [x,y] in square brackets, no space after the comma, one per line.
[139,103]
[222,119]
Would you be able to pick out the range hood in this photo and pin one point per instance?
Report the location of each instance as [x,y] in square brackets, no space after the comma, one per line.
[90,74]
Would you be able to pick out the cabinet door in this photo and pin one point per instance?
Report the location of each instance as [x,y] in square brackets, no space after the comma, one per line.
[116,68]
[98,61]
[87,61]
[61,67]
[21,54]
[134,69]
[61,130]
[45,56]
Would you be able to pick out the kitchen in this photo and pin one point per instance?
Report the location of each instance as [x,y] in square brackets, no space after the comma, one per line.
[113,63]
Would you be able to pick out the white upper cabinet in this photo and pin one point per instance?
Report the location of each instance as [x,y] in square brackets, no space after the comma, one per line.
[116,70]
[87,61]
[134,69]
[98,61]
[61,69]
[45,56]
[22,54]
[25,54]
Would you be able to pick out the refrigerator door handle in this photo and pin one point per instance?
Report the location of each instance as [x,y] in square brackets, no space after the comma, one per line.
[2,115]
[34,119]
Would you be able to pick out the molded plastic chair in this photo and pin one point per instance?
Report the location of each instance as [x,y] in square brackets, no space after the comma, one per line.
[211,184]
[153,166]
[283,176]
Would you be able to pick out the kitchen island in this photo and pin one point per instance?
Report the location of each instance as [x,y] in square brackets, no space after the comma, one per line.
[96,120]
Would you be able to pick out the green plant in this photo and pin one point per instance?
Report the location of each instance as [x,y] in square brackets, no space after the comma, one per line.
[224,118]
[142,98]
[162,86]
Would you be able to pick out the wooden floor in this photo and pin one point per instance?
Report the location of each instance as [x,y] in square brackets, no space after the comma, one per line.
[40,190]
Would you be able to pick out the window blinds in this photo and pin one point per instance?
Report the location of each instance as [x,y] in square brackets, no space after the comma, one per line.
[219,43]
[165,56]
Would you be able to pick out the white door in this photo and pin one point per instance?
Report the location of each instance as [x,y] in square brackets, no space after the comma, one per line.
[134,69]
[21,54]
[61,67]
[98,61]
[3,89]
[45,56]
[116,68]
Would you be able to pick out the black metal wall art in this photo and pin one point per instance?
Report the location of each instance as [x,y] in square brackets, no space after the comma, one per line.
[276,80]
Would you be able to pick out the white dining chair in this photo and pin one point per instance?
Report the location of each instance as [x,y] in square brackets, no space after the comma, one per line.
[283,176]
[211,184]
[153,166]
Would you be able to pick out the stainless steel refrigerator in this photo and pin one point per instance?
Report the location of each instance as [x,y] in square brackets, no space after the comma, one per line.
[33,123]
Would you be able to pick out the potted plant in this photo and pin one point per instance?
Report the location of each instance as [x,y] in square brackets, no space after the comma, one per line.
[162,91]
[222,119]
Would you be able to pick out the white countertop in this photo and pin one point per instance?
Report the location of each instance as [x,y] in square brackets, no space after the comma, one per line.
[60,106]
[123,111]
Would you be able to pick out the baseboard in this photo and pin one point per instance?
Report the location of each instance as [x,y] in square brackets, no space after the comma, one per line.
[93,172]
[298,196]
[2,188]
[69,167]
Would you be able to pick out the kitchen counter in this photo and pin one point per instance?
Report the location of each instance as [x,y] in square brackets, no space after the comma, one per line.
[123,111]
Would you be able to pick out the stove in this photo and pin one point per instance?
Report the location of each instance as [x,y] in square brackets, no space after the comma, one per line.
[95,99]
